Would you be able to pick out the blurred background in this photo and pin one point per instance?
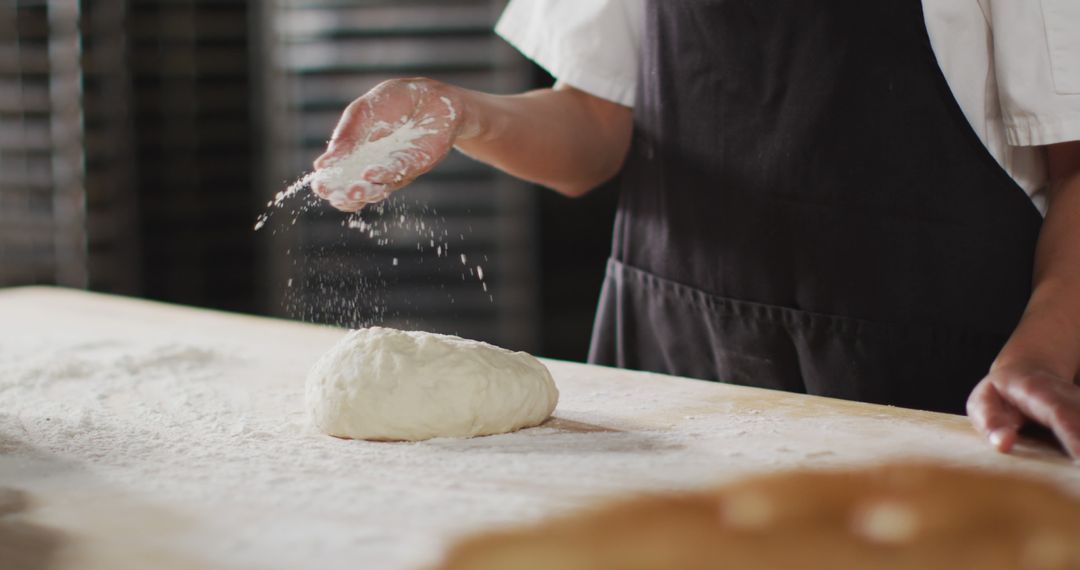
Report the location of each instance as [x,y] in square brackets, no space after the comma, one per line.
[141,139]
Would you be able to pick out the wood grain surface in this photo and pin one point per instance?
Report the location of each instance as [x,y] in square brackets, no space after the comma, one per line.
[136,434]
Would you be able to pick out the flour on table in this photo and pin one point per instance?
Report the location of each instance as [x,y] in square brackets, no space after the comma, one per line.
[219,445]
[386,384]
[105,360]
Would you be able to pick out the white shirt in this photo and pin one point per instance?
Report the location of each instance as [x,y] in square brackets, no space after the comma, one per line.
[1013,65]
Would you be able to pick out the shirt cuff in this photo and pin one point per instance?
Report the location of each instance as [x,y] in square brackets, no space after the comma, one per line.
[1039,131]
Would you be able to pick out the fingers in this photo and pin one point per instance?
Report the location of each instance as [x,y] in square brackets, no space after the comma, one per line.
[993,417]
[348,207]
[348,202]
[388,107]
[325,159]
[351,200]
[368,193]
[406,166]
[336,149]
[372,117]
[1047,400]
[320,190]
[389,178]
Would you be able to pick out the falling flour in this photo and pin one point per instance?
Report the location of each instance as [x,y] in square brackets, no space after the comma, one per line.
[347,290]
[393,152]
[281,197]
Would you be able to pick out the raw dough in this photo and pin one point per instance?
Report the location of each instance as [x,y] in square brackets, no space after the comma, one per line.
[889,517]
[391,385]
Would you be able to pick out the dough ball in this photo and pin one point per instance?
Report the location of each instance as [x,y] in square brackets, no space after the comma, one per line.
[391,385]
[889,517]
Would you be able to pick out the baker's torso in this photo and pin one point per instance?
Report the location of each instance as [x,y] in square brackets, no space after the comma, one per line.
[806,207]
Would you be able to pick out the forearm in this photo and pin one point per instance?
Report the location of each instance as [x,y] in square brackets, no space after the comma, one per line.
[561,138]
[1048,335]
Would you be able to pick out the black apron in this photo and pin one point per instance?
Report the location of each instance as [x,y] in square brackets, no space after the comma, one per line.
[806,208]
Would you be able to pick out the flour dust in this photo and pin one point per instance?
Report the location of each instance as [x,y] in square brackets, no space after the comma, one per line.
[392,263]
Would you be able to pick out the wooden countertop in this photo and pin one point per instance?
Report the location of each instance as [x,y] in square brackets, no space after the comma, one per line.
[137,435]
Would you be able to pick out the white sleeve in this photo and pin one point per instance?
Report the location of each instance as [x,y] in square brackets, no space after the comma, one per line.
[1037,61]
[589,44]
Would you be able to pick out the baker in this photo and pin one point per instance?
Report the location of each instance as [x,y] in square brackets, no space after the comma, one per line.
[877,201]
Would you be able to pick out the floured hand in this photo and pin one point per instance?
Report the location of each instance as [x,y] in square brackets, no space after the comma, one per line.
[384,140]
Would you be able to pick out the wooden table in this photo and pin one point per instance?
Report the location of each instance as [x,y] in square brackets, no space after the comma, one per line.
[142,435]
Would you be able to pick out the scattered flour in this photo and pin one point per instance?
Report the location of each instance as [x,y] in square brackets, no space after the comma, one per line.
[104,360]
[218,439]
[281,197]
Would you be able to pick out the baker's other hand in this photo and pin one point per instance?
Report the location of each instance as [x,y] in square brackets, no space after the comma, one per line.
[424,115]
[1011,396]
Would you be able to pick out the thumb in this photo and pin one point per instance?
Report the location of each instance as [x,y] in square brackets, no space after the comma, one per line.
[336,148]
[998,420]
[351,127]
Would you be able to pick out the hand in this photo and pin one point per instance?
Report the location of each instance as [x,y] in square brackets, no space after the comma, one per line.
[1007,398]
[431,107]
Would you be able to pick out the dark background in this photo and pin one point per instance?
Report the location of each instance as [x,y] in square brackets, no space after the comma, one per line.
[140,139]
